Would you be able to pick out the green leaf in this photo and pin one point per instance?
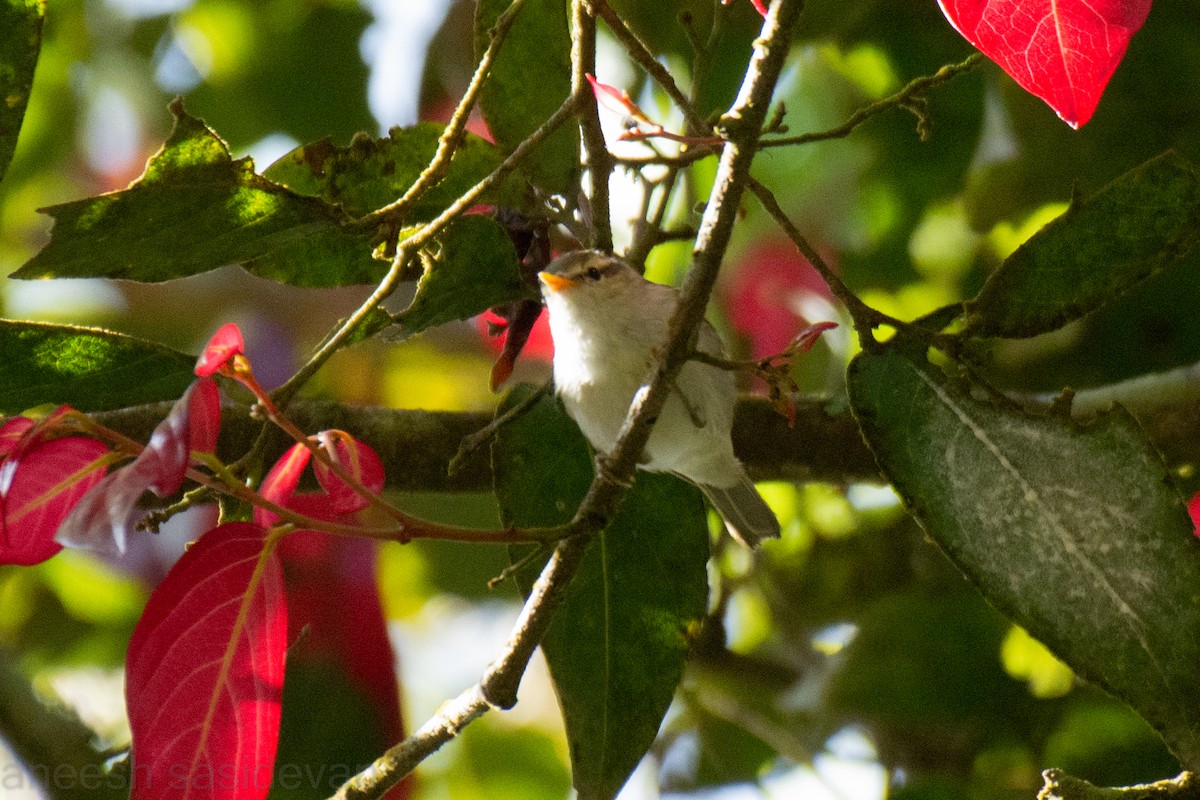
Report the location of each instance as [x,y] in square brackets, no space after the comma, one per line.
[529,80]
[1133,228]
[20,43]
[475,268]
[196,209]
[618,642]
[1074,531]
[371,173]
[90,369]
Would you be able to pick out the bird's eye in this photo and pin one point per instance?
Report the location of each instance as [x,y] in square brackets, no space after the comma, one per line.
[593,273]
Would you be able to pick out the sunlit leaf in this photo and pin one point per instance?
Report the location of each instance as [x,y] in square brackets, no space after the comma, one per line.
[1074,531]
[529,80]
[371,173]
[1063,51]
[196,209]
[474,269]
[204,672]
[619,641]
[90,369]
[20,43]
[1131,229]
[38,489]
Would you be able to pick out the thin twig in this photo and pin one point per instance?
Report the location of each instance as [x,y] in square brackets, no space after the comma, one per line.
[471,443]
[408,250]
[455,131]
[900,99]
[866,319]
[641,54]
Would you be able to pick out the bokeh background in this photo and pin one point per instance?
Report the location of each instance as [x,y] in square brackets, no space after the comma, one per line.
[851,660]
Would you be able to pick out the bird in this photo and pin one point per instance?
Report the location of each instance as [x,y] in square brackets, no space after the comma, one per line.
[609,325]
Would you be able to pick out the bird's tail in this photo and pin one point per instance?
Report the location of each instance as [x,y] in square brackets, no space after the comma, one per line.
[746,514]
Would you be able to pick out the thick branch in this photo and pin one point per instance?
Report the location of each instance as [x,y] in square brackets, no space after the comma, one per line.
[595,150]
[417,446]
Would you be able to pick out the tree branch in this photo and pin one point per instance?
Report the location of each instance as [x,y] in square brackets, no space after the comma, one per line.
[595,150]
[498,686]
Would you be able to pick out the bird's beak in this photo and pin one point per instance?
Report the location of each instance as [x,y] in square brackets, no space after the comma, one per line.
[556,283]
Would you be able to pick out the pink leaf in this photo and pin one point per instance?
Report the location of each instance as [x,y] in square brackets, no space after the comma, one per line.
[38,489]
[224,345]
[357,459]
[204,672]
[1063,51]
[106,517]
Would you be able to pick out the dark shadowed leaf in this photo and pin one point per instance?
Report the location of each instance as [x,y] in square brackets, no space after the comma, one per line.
[196,209]
[204,672]
[371,173]
[619,641]
[90,369]
[529,80]
[20,42]
[474,269]
[1136,226]
[1063,52]
[1074,531]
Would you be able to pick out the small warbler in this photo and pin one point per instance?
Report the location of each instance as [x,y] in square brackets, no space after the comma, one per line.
[609,325]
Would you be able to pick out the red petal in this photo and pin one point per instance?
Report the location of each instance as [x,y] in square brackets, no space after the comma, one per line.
[204,672]
[1063,51]
[357,459]
[39,489]
[224,345]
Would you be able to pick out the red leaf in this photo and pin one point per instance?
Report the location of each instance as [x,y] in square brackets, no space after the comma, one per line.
[357,459]
[11,433]
[224,345]
[38,489]
[204,672]
[615,100]
[204,416]
[281,482]
[1063,51]
[333,593]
